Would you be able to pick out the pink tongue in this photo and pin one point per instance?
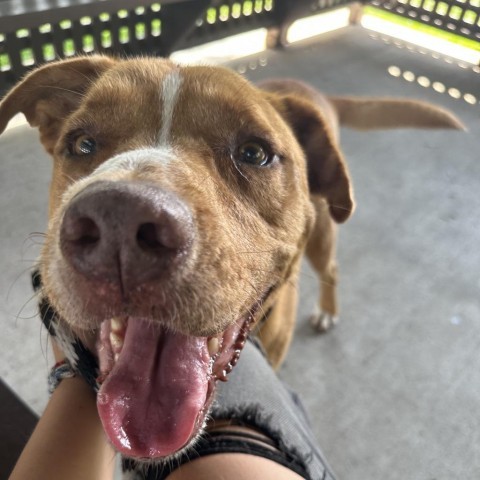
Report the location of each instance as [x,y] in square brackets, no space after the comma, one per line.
[150,401]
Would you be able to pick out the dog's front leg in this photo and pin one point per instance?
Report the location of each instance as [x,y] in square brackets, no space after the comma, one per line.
[321,254]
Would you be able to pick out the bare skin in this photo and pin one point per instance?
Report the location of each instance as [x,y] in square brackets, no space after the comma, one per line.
[238,466]
[68,441]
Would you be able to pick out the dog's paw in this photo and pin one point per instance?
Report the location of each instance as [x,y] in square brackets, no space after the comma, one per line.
[322,321]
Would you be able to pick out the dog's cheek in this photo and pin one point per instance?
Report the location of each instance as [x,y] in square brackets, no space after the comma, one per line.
[67,174]
[58,284]
[50,270]
[59,184]
[234,266]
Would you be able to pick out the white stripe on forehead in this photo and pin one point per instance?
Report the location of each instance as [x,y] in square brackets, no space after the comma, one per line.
[162,152]
[170,90]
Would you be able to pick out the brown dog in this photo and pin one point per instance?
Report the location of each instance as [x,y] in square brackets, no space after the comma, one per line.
[181,203]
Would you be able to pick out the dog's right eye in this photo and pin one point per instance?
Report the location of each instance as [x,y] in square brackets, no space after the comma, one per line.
[82,145]
[253,153]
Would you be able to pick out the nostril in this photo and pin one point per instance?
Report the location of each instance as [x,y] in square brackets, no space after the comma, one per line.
[90,232]
[167,234]
[82,232]
[147,237]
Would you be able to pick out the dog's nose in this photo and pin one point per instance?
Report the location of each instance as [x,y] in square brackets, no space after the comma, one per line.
[126,233]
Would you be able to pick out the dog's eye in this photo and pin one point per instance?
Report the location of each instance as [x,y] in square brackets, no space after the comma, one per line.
[82,145]
[254,154]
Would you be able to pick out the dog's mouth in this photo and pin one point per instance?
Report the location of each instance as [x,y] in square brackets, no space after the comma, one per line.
[157,385]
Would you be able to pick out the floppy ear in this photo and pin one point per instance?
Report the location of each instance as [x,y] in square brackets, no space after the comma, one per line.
[49,94]
[327,171]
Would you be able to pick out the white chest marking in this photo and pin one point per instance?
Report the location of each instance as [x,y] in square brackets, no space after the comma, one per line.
[170,90]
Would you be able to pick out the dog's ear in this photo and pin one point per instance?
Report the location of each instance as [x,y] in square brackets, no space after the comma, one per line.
[49,94]
[327,171]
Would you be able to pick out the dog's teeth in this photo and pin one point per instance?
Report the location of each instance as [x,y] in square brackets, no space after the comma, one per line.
[117,324]
[116,342]
[213,346]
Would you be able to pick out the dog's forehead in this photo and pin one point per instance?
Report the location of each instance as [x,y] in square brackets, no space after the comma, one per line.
[163,79]
[161,84]
[161,101]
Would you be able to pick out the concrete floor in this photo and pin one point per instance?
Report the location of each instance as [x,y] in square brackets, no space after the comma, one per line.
[394,390]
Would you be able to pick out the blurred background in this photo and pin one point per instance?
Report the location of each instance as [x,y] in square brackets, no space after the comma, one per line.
[394,390]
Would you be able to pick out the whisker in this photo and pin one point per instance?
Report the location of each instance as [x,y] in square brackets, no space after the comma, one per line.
[18,315]
[340,207]
[44,346]
[255,252]
[32,237]
[69,178]
[258,294]
[56,87]
[307,274]
[240,172]
[17,278]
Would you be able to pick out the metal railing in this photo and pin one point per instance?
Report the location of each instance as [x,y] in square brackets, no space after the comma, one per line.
[33,32]
[461,17]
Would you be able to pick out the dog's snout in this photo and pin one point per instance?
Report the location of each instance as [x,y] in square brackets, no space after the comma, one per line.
[126,233]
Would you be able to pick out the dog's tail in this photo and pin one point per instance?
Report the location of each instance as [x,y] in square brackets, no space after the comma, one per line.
[370,113]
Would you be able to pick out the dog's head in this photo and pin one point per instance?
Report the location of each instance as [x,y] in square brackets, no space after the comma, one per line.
[179,204]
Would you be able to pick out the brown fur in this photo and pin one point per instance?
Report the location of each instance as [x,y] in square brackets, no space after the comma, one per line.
[252,224]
